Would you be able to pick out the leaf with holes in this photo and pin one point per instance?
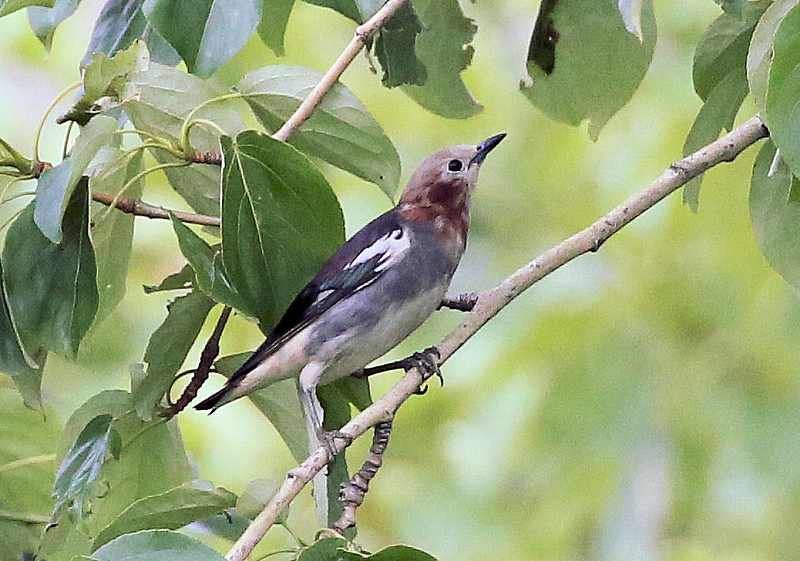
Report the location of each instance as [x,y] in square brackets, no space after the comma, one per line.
[280,222]
[341,131]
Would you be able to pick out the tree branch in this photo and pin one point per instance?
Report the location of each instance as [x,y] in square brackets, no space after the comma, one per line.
[138,207]
[490,302]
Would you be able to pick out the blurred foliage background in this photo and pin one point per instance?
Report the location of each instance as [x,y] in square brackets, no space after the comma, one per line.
[640,403]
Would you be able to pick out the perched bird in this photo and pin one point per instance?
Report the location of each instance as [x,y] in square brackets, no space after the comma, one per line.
[377,288]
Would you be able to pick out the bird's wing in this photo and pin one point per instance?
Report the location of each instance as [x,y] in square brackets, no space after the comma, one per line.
[356,265]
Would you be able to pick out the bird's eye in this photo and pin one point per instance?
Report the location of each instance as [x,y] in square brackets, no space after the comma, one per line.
[455,165]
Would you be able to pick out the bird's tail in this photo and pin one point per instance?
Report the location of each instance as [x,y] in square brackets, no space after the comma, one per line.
[216,400]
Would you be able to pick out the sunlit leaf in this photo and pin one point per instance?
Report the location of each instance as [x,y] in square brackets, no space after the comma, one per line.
[52,311]
[631,12]
[717,113]
[445,49]
[207,264]
[278,403]
[10,6]
[272,27]
[775,216]
[341,131]
[156,545]
[256,496]
[206,33]
[56,185]
[583,61]
[119,24]
[176,281]
[168,347]
[323,550]
[112,234]
[280,222]
[783,119]
[171,510]
[77,475]
[44,21]
[759,55]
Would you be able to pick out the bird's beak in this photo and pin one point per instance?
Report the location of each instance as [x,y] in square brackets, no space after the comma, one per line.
[485,147]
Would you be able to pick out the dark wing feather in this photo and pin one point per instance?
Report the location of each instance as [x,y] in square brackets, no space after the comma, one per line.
[335,278]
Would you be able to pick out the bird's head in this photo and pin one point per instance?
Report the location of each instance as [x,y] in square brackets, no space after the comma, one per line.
[441,186]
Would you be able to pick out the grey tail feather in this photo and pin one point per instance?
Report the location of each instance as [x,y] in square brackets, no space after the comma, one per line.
[212,402]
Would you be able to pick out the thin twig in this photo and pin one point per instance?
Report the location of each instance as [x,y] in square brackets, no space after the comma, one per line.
[207,358]
[352,493]
[138,207]
[490,302]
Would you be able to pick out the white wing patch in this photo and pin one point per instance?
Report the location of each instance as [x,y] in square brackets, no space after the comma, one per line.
[390,247]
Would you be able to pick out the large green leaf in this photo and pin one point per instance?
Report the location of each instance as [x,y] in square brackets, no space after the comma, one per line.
[168,347]
[10,6]
[112,234]
[776,215]
[206,33]
[171,510]
[26,473]
[119,24]
[44,21]
[717,113]
[341,131]
[210,274]
[444,48]
[280,222]
[156,545]
[357,10]
[395,48]
[326,549]
[158,100]
[723,48]
[759,55]
[176,281]
[278,403]
[391,553]
[56,185]
[78,473]
[52,311]
[783,91]
[272,27]
[584,62]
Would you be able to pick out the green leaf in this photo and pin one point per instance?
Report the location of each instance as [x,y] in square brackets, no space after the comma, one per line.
[171,510]
[11,6]
[341,131]
[56,185]
[158,100]
[256,496]
[775,216]
[115,403]
[717,113]
[325,549]
[176,281]
[280,222]
[348,8]
[444,48]
[13,358]
[44,21]
[783,119]
[156,545]
[112,234]
[29,385]
[278,403]
[723,48]
[732,6]
[168,347]
[52,311]
[631,12]
[759,55]
[583,61]
[76,477]
[391,553]
[272,27]
[206,261]
[101,73]
[396,52]
[27,443]
[119,24]
[206,33]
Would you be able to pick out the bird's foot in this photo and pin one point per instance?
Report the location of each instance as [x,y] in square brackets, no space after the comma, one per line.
[427,362]
[328,440]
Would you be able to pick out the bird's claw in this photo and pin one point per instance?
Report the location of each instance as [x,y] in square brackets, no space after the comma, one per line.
[328,440]
[427,362]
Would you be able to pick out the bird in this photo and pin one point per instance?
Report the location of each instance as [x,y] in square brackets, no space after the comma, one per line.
[382,284]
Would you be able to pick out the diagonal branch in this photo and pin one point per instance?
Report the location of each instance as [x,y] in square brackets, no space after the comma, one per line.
[138,207]
[489,304]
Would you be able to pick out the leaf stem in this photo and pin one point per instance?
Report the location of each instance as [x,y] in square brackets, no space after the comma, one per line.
[24,462]
[62,94]
[65,148]
[25,517]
